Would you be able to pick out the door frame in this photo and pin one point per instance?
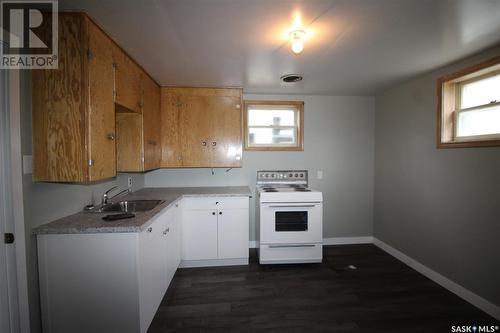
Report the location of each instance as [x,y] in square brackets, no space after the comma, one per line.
[17,201]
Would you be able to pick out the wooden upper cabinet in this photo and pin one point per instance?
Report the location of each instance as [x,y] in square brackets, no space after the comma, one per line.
[128,81]
[138,134]
[171,156]
[226,130]
[72,107]
[201,127]
[129,141]
[151,124]
[101,116]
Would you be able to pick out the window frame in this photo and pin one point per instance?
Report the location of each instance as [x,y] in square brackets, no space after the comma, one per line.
[449,89]
[299,125]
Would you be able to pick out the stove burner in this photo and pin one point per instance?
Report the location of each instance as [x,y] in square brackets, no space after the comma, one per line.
[302,189]
[270,189]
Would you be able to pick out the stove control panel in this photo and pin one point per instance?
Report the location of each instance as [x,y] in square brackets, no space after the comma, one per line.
[282,177]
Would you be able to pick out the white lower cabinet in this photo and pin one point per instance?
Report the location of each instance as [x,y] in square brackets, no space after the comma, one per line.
[114,282]
[107,282]
[232,233]
[215,231]
[199,234]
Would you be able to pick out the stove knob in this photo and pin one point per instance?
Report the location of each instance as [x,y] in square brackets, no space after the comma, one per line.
[272,175]
[266,175]
[301,175]
[296,175]
[290,175]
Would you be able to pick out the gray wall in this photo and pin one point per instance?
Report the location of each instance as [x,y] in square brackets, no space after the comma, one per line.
[338,139]
[46,202]
[440,207]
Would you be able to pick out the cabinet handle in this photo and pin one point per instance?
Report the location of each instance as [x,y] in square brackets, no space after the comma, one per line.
[150,229]
[216,202]
[204,143]
[166,231]
[213,213]
[179,158]
[111,136]
[214,143]
[220,213]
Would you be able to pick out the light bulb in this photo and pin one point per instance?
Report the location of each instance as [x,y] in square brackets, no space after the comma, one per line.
[297,45]
[297,37]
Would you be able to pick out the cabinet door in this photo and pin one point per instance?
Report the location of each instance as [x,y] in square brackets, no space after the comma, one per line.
[129,142]
[195,130]
[226,123]
[177,236]
[233,233]
[148,262]
[171,156]
[151,124]
[199,235]
[101,117]
[128,85]
[173,250]
[59,110]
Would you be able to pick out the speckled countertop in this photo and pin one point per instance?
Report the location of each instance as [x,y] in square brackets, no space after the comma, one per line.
[87,223]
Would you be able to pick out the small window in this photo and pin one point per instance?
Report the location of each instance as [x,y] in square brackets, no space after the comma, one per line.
[469,107]
[274,125]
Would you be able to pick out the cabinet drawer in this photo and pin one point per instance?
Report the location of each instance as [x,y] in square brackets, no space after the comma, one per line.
[215,203]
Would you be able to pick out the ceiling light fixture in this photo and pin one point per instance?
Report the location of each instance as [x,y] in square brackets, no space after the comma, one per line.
[297,38]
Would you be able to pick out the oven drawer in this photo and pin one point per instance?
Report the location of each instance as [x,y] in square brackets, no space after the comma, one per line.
[290,253]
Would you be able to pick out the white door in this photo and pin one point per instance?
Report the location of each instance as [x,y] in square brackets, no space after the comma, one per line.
[9,316]
[199,234]
[233,233]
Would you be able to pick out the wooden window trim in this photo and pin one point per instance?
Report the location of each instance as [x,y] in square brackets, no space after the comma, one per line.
[448,94]
[299,105]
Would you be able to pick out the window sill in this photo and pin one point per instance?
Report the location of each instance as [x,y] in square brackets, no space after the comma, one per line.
[468,144]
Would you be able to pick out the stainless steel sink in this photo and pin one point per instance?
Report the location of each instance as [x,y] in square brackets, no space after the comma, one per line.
[131,206]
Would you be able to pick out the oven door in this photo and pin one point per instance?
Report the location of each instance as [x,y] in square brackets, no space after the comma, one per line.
[291,223]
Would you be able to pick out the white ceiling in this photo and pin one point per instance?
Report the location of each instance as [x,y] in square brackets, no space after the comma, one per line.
[354,47]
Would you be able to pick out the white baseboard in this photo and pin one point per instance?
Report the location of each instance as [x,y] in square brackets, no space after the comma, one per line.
[476,300]
[213,262]
[347,240]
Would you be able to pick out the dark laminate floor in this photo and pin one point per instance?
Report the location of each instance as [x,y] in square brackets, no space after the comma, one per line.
[382,295]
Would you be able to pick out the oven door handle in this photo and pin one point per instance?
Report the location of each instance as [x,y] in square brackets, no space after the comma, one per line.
[286,206]
[284,246]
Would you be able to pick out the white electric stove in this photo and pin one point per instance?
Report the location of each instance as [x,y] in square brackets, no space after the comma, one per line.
[290,216]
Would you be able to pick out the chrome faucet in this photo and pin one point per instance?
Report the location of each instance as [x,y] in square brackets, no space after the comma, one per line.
[106,198]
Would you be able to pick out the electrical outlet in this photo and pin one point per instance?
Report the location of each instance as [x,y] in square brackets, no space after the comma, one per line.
[129,182]
[319,174]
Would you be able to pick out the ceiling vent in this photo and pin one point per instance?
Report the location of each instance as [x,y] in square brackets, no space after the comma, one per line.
[291,78]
